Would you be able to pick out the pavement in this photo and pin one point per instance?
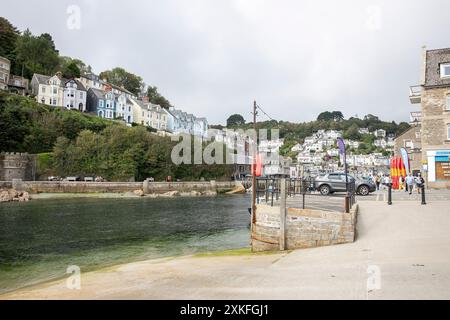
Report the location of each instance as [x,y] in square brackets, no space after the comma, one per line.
[402,251]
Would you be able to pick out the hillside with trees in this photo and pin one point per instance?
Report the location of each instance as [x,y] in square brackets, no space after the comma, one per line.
[294,133]
[68,142]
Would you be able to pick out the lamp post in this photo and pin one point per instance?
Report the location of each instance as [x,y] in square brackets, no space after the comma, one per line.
[341,145]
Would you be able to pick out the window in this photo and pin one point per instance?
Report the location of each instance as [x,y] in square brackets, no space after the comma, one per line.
[445,70]
[43,89]
[101,103]
[55,90]
[409,144]
[447,105]
[448,131]
[81,95]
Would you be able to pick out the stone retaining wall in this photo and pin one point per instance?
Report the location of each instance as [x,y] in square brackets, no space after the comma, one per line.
[304,228]
[115,187]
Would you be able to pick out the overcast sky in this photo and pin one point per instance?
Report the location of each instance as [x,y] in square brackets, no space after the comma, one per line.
[214,57]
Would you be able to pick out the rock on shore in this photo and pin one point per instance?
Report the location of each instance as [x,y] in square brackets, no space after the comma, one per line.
[7,195]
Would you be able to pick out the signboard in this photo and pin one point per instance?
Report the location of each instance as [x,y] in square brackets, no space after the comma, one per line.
[443,170]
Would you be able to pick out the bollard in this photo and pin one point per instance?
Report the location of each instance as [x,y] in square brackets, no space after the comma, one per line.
[303,203]
[389,194]
[347,203]
[423,194]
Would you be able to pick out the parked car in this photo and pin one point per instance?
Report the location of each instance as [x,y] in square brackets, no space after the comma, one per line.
[53,178]
[335,182]
[89,179]
[73,178]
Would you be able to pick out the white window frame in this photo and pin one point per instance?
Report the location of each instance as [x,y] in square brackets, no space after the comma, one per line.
[443,67]
[448,131]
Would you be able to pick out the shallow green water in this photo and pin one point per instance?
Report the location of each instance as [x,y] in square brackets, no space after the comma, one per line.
[41,238]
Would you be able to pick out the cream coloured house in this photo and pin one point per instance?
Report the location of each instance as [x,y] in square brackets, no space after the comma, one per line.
[48,90]
[59,92]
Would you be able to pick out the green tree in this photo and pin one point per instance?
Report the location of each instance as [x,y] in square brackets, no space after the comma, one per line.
[328,116]
[325,116]
[73,68]
[155,97]
[122,78]
[72,71]
[352,133]
[35,55]
[8,38]
[235,120]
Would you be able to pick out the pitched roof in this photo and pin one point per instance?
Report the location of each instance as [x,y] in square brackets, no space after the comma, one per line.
[41,79]
[99,93]
[80,86]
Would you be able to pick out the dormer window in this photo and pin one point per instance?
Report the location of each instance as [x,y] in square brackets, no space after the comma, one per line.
[445,70]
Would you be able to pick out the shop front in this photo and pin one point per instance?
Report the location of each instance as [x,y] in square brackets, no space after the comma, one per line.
[438,168]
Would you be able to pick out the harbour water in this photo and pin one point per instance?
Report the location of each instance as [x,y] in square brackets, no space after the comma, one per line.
[41,238]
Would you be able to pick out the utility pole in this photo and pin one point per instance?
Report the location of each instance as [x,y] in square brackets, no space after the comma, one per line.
[255,146]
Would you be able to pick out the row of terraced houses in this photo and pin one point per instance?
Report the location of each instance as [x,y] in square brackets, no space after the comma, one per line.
[91,94]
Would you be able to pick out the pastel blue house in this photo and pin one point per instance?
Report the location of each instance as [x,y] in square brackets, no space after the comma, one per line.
[102,103]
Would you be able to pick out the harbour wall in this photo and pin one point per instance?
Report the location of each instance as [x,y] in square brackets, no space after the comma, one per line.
[301,228]
[115,187]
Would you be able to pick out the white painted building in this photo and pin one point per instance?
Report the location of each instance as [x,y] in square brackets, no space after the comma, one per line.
[74,95]
[124,109]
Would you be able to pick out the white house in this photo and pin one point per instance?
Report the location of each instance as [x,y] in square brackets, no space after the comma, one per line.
[187,123]
[363,130]
[380,143]
[124,108]
[48,90]
[380,133]
[74,95]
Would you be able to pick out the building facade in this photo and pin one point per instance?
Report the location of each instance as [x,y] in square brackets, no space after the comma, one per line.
[102,103]
[48,90]
[5,66]
[434,96]
[74,95]
[92,80]
[410,140]
[180,122]
[18,85]
[124,109]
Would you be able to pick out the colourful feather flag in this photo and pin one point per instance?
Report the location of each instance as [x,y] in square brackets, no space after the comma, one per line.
[405,158]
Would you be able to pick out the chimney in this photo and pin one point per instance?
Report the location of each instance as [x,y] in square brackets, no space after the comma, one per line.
[59,74]
[108,87]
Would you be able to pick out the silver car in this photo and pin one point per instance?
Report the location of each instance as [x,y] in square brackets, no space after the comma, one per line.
[335,182]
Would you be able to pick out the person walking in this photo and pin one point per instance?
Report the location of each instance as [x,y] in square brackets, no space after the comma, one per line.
[377,182]
[410,182]
[386,181]
[419,183]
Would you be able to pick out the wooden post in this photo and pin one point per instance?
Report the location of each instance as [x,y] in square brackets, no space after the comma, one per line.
[283,214]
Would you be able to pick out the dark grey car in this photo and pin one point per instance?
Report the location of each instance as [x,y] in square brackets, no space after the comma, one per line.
[335,182]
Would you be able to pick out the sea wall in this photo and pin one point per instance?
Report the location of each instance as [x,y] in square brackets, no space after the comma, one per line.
[304,228]
[115,187]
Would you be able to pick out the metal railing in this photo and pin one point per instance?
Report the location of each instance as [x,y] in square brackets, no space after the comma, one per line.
[268,191]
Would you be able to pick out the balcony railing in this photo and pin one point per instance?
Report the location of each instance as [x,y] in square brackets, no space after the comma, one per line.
[415,94]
